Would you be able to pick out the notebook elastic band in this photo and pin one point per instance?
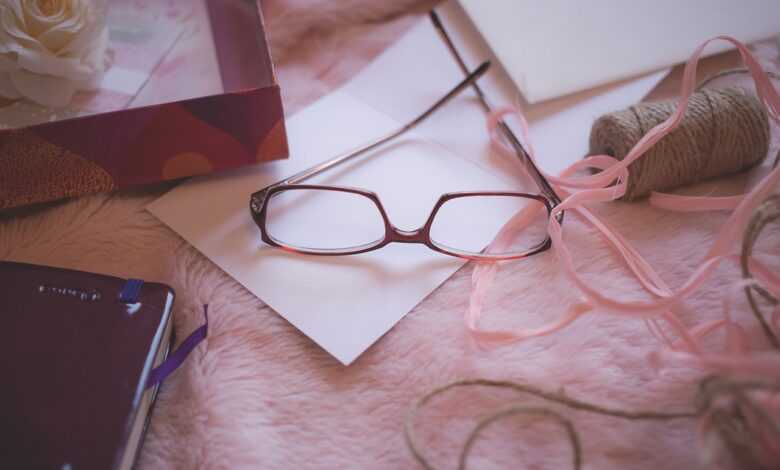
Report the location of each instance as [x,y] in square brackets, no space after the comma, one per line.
[131,291]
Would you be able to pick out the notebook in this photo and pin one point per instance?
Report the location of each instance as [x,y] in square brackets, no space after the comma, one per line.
[75,352]
[557,47]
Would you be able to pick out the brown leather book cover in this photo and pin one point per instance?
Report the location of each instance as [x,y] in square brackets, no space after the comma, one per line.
[75,352]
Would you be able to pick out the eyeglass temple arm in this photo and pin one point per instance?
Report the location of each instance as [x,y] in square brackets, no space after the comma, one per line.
[471,77]
[510,136]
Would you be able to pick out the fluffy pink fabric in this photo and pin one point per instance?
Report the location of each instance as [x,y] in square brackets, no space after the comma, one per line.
[258,394]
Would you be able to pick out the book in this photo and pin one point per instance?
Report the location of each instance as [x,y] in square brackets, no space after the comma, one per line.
[558,47]
[76,352]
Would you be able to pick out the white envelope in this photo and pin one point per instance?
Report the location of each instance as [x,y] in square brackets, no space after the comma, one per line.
[556,47]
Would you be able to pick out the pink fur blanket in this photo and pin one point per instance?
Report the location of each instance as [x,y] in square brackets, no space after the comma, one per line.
[258,394]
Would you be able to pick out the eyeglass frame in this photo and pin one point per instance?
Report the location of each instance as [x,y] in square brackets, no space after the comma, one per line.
[394,234]
[259,200]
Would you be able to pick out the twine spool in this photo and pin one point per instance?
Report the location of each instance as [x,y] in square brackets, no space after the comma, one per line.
[723,131]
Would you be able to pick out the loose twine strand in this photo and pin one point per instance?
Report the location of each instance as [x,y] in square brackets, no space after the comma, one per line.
[767,213]
[742,424]
[560,398]
[727,406]
[732,71]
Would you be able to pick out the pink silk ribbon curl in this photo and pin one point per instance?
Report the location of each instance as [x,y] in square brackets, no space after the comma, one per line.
[608,184]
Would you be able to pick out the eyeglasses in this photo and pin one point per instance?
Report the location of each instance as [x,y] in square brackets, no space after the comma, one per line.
[336,220]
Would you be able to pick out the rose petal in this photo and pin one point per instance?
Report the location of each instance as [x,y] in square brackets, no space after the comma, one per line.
[13,31]
[84,38]
[8,63]
[7,88]
[15,7]
[50,50]
[46,91]
[100,60]
[60,36]
[38,22]
[47,64]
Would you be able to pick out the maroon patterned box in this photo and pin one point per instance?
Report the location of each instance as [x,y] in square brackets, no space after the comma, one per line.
[188,88]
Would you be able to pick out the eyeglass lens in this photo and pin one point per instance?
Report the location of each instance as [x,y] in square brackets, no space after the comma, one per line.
[452,230]
[322,219]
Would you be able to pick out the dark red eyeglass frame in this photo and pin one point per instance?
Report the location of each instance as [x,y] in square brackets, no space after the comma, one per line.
[392,233]
[258,203]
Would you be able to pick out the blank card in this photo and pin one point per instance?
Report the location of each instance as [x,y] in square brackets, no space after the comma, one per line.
[557,47]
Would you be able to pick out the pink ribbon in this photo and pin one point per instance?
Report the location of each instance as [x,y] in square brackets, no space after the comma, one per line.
[609,184]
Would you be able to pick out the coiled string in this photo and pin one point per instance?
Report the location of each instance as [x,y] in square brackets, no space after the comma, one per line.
[732,411]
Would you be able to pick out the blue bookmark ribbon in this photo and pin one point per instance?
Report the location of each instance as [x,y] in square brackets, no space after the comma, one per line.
[177,358]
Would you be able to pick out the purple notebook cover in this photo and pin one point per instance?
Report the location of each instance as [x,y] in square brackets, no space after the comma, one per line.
[74,361]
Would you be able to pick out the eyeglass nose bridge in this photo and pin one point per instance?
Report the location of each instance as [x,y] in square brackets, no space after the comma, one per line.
[398,235]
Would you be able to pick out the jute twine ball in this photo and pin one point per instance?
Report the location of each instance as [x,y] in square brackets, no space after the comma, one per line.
[724,131]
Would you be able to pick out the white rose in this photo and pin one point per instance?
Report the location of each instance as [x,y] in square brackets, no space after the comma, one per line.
[50,49]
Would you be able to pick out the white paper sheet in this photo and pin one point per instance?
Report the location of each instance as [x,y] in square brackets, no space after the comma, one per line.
[346,303]
[556,47]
